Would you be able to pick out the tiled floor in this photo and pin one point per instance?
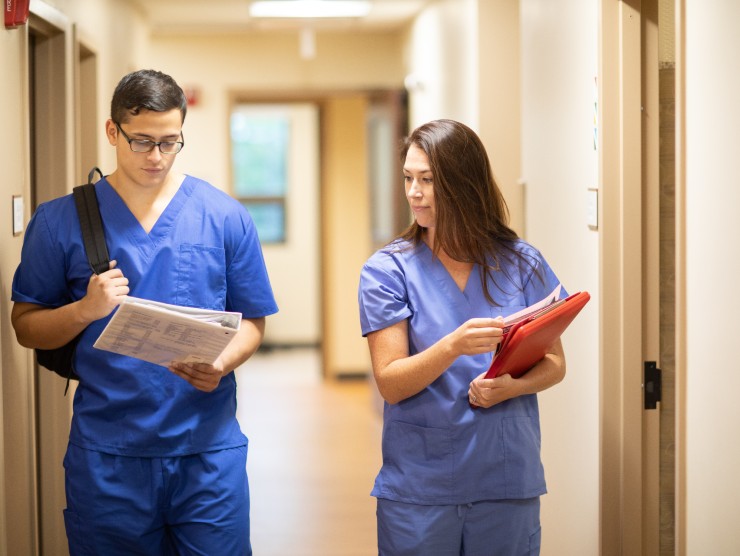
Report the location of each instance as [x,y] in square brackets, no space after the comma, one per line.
[314,450]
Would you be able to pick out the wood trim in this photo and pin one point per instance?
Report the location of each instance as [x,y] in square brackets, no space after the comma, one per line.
[651,268]
[620,177]
[681,362]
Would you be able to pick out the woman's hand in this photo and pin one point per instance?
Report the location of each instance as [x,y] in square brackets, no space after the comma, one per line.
[487,392]
[400,376]
[476,336]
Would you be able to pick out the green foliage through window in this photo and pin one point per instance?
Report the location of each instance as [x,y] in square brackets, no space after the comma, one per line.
[259,158]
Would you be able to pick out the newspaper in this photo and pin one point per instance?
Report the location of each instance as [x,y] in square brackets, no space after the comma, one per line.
[160,333]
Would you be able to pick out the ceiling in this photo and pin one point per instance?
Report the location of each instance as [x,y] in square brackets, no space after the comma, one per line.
[232,16]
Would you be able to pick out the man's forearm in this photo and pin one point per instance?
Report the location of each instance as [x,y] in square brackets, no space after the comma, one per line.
[244,344]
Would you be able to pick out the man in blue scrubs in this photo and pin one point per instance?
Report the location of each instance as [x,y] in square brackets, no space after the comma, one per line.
[156,462]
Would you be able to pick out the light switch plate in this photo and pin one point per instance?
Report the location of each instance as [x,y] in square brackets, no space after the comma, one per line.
[17,215]
[592,208]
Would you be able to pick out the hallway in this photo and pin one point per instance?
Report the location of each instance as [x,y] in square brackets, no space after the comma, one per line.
[314,450]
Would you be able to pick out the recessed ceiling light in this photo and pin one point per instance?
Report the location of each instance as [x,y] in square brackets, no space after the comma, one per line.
[309,8]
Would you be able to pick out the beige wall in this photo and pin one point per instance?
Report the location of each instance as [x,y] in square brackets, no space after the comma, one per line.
[709,379]
[500,99]
[441,74]
[14,159]
[559,164]
[264,64]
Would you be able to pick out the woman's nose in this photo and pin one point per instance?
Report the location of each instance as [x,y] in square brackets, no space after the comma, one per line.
[414,190]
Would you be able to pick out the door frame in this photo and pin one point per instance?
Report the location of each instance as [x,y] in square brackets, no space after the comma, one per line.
[629,275]
[53,170]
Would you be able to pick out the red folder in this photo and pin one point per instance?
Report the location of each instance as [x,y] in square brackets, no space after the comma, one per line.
[528,340]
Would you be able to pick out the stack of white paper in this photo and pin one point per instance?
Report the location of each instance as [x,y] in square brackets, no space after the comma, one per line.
[161,333]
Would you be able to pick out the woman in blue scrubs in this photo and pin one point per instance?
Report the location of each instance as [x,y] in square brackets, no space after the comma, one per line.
[461,470]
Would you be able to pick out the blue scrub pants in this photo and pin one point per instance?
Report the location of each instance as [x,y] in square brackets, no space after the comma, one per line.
[488,528]
[129,506]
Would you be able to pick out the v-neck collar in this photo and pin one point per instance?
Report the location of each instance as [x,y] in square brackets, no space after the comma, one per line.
[442,276]
[118,216]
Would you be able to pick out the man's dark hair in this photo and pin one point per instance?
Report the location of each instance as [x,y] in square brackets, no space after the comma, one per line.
[146,90]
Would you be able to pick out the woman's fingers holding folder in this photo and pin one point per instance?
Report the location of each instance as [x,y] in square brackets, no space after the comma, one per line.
[479,335]
[487,392]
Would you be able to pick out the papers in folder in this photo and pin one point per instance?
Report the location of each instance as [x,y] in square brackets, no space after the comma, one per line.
[160,333]
[530,333]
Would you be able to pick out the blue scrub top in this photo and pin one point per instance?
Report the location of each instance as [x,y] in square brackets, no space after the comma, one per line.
[203,252]
[436,448]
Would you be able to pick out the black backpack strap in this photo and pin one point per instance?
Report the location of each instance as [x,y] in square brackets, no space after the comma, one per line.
[91,224]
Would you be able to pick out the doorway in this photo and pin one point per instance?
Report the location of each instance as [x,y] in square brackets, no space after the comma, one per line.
[280,143]
[52,88]
[638,263]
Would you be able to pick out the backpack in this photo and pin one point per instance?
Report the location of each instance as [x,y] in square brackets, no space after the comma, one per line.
[61,359]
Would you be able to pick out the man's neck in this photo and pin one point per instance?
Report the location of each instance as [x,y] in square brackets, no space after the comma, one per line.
[146,203]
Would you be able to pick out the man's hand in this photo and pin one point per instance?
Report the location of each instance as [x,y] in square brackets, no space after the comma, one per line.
[105,292]
[202,376]
[37,326]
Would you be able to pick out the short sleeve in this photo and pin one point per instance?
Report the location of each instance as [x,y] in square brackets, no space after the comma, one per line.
[40,277]
[382,295]
[248,285]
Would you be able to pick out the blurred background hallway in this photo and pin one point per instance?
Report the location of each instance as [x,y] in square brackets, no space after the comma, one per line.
[612,130]
[314,450]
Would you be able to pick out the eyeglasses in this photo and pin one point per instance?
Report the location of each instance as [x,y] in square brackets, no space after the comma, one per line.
[146,146]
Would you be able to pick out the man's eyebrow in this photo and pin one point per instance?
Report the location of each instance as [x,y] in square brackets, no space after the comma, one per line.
[139,134]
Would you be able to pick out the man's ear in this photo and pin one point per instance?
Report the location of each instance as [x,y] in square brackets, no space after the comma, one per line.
[111,132]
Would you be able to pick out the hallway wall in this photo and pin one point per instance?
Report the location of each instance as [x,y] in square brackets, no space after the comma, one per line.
[559,164]
[710,382]
[13,157]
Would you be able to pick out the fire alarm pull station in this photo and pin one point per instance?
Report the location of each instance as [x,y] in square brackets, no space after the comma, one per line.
[16,13]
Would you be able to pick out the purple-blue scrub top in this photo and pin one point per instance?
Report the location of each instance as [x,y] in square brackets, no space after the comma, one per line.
[437,449]
[203,252]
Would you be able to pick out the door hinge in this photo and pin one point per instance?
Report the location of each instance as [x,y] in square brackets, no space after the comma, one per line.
[652,385]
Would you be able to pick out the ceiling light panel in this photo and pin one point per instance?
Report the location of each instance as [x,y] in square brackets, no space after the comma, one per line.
[309,8]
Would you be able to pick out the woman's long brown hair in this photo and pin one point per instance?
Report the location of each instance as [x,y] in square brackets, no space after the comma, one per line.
[471,214]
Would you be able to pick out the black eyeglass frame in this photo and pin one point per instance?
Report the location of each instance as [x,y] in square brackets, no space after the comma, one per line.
[151,144]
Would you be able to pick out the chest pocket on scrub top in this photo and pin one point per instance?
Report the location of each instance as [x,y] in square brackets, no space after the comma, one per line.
[201,276]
